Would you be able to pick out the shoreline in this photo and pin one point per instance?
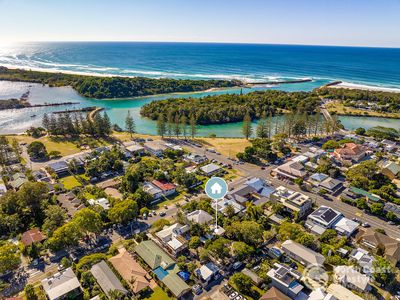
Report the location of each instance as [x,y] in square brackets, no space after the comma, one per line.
[333,84]
[364,87]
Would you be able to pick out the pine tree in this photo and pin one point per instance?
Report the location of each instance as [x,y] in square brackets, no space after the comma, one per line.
[193,128]
[98,124]
[106,124]
[130,124]
[262,127]
[46,121]
[170,121]
[53,125]
[247,129]
[183,121]
[161,125]
[177,126]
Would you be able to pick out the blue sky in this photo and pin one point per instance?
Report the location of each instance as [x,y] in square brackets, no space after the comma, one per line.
[322,22]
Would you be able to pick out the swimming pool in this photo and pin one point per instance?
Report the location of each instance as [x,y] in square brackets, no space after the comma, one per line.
[160,272]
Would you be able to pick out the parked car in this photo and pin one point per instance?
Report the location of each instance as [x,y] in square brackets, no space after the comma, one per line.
[73,257]
[162,214]
[237,265]
[197,289]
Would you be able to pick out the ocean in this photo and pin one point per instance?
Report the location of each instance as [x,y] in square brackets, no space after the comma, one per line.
[358,66]
[249,62]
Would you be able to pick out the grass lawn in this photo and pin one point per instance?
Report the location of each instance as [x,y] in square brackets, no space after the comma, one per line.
[66,146]
[89,196]
[339,108]
[226,146]
[70,182]
[157,294]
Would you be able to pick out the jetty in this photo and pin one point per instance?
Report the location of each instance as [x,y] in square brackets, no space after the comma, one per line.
[278,82]
[84,109]
[94,112]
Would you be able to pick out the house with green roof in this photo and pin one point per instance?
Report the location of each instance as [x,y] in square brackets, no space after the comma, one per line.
[163,267]
[153,255]
[353,193]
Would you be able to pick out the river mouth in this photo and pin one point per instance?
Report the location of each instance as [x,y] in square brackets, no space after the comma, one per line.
[17,121]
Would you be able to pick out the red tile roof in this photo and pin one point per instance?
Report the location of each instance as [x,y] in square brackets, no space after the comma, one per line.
[32,236]
[163,185]
[350,149]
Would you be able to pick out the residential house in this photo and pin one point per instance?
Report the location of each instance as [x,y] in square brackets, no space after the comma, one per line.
[324,217]
[103,202]
[302,254]
[325,182]
[291,170]
[331,185]
[207,273]
[195,158]
[318,294]
[60,168]
[389,145]
[301,159]
[18,180]
[62,285]
[380,243]
[210,169]
[352,193]
[363,259]
[78,162]
[32,236]
[286,279]
[163,266]
[389,168]
[392,207]
[327,218]
[255,189]
[254,277]
[41,176]
[134,148]
[352,279]
[106,279]
[172,238]
[167,188]
[155,148]
[199,217]
[274,294]
[154,191]
[222,204]
[346,227]
[350,152]
[342,293]
[294,202]
[132,272]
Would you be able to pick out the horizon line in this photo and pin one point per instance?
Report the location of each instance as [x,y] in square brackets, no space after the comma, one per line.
[198,42]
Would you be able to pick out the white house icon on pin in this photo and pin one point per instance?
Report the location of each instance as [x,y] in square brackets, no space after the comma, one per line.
[216,188]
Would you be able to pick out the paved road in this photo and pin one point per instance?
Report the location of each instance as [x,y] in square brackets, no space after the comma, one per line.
[249,170]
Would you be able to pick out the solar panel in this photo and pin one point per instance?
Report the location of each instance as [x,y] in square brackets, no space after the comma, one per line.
[329,215]
[282,271]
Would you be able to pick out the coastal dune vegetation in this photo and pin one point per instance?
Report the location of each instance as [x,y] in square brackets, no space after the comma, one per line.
[362,102]
[114,87]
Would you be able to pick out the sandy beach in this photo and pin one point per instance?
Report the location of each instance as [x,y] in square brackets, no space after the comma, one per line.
[354,86]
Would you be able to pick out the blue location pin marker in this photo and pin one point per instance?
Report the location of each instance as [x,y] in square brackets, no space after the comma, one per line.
[216,188]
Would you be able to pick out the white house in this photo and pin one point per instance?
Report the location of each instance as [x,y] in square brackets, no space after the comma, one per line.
[63,285]
[103,202]
[210,169]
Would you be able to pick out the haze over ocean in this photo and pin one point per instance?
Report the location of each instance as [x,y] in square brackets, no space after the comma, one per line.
[251,62]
